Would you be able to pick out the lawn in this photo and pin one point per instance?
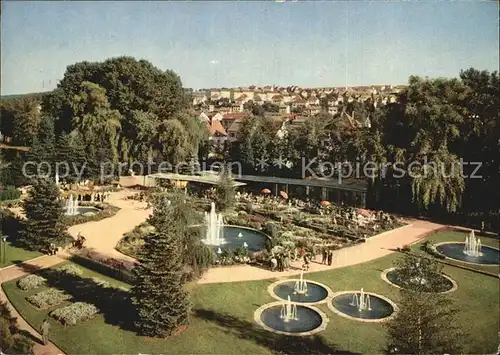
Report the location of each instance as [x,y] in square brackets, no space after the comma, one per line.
[15,255]
[222,321]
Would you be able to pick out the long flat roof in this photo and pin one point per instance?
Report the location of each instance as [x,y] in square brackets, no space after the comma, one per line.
[345,184]
[211,179]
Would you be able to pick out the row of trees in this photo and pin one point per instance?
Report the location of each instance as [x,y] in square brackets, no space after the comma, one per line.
[119,110]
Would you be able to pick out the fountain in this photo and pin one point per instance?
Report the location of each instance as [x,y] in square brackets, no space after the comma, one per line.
[215,228]
[300,286]
[289,311]
[362,302]
[472,245]
[71,206]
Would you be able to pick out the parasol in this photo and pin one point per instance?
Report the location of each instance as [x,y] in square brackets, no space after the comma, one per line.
[284,194]
[325,203]
[266,191]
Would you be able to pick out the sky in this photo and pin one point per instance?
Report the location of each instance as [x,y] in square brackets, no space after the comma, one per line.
[235,43]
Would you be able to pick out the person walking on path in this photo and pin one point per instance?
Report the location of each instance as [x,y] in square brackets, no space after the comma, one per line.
[324,256]
[45,331]
[330,258]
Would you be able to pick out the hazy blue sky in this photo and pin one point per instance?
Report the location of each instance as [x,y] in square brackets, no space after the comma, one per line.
[212,44]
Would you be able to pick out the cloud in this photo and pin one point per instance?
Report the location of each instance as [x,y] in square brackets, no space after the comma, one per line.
[214,62]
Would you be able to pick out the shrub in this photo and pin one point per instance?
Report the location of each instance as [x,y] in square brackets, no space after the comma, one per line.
[71,270]
[31,282]
[48,298]
[270,229]
[406,248]
[100,282]
[9,193]
[76,313]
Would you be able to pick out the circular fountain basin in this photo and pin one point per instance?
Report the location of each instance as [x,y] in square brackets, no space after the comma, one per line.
[382,308]
[447,283]
[316,292]
[310,320]
[255,239]
[454,250]
[84,209]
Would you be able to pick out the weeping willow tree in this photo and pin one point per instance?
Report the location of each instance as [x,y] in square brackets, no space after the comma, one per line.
[438,181]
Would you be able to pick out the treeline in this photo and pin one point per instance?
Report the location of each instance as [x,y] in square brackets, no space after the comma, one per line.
[119,110]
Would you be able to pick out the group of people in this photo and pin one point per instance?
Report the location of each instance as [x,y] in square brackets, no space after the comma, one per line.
[281,262]
[327,257]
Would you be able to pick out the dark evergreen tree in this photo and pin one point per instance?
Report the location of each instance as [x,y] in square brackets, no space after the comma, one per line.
[159,295]
[44,216]
[225,191]
[196,257]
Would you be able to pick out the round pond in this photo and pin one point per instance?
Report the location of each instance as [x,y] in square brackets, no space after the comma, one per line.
[84,209]
[445,285]
[380,307]
[308,320]
[315,292]
[254,239]
[490,256]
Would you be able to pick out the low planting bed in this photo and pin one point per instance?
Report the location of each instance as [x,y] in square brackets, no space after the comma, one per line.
[48,298]
[71,270]
[74,314]
[31,282]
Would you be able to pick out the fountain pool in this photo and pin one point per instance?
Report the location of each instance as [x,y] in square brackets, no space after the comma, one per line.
[300,291]
[71,207]
[362,306]
[454,250]
[255,239]
[288,318]
[219,235]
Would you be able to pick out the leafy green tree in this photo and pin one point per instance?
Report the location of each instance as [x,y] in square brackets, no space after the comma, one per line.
[225,191]
[11,340]
[44,216]
[420,273]
[21,119]
[41,157]
[425,324]
[161,275]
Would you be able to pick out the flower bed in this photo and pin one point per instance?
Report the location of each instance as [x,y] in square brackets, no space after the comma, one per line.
[31,282]
[76,313]
[104,210]
[71,270]
[48,298]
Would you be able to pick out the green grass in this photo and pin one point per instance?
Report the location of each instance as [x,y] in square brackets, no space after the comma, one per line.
[222,319]
[15,255]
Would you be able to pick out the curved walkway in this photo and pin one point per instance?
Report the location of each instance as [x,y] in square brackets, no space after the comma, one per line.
[374,248]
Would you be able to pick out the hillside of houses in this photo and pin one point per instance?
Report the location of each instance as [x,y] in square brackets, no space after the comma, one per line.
[225,109]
